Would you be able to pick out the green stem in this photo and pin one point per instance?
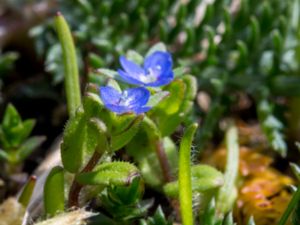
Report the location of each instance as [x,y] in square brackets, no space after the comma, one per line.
[72,86]
[185,181]
[227,194]
[290,207]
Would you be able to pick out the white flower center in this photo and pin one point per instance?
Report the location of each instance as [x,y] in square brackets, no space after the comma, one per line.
[124,99]
[151,75]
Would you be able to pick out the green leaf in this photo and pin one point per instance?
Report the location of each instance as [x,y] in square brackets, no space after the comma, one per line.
[267,11]
[167,112]
[110,173]
[84,133]
[212,47]
[191,84]
[157,47]
[134,57]
[72,86]
[86,6]
[11,127]
[277,42]
[271,127]
[72,147]
[243,54]
[204,178]
[229,219]
[172,110]
[97,131]
[151,129]
[26,193]
[95,60]
[185,176]
[208,217]
[53,63]
[11,118]
[158,218]
[285,85]
[296,215]
[157,98]
[120,140]
[29,146]
[13,131]
[92,88]
[129,194]
[251,221]
[92,105]
[109,73]
[293,205]
[172,104]
[28,125]
[112,83]
[179,72]
[190,39]
[209,12]
[255,35]
[54,192]
[7,62]
[190,94]
[123,212]
[228,23]
[4,141]
[296,170]
[4,156]
[102,44]
[121,123]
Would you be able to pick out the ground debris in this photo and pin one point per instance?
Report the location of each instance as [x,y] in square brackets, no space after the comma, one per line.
[262,190]
[11,212]
[77,217]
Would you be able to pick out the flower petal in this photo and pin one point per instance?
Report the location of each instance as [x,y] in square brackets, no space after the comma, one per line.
[163,79]
[118,109]
[138,97]
[142,109]
[128,78]
[109,95]
[130,100]
[158,60]
[131,68]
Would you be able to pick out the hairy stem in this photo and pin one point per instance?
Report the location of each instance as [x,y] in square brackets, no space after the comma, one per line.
[76,187]
[163,161]
[71,73]
[184,177]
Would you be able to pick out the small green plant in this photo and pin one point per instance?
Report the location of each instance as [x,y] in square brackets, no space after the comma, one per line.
[15,143]
[128,139]
[110,118]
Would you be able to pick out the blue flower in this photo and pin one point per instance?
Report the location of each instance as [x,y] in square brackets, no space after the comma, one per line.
[130,100]
[157,70]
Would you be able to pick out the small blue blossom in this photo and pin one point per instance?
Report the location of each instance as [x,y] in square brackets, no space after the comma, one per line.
[129,100]
[157,70]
